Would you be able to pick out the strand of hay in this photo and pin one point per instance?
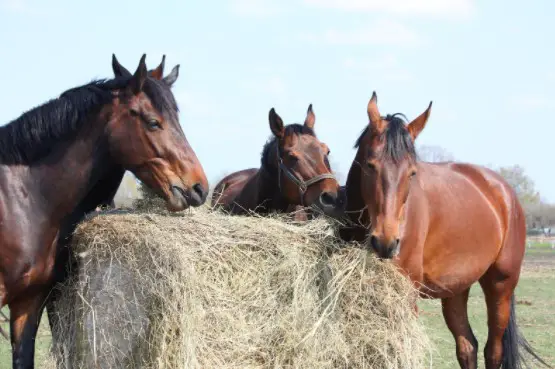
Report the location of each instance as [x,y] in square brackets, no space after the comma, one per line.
[206,290]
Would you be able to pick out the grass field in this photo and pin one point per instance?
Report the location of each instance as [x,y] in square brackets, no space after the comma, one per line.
[535,295]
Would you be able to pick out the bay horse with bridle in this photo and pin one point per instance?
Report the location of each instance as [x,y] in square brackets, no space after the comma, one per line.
[446,226]
[61,160]
[295,175]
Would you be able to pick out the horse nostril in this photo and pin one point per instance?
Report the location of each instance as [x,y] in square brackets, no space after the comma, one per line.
[385,251]
[200,191]
[394,249]
[327,199]
[375,243]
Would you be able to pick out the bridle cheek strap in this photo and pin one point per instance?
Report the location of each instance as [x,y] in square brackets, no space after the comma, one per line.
[302,185]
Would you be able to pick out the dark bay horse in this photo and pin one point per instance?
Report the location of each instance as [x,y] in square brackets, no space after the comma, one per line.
[102,195]
[446,225]
[295,172]
[61,160]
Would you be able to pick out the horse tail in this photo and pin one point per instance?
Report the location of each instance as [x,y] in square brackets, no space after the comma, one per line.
[513,341]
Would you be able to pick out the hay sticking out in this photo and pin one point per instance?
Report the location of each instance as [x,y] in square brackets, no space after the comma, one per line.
[206,290]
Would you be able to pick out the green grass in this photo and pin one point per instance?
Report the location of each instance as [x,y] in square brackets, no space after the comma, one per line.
[42,344]
[535,295]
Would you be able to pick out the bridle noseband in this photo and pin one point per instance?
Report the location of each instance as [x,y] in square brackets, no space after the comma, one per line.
[301,184]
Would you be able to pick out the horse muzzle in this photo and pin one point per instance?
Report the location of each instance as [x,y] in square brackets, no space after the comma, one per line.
[182,198]
[332,203]
[387,250]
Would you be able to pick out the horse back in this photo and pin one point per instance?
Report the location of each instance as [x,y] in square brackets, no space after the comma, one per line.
[230,188]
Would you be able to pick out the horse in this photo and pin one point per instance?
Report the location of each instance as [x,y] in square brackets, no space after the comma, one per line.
[295,173]
[62,159]
[445,226]
[102,195]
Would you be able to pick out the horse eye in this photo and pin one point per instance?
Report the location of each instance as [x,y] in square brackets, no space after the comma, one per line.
[153,124]
[371,166]
[412,174]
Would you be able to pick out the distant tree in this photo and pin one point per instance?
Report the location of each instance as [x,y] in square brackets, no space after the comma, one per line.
[433,154]
[541,215]
[128,191]
[523,185]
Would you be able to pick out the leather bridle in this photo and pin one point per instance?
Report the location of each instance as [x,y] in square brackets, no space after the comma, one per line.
[301,184]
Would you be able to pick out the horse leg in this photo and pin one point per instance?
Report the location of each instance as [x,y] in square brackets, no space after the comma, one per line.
[25,317]
[498,293]
[456,316]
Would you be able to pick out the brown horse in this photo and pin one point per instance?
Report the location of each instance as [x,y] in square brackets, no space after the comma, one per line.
[446,226]
[61,160]
[295,172]
[102,195]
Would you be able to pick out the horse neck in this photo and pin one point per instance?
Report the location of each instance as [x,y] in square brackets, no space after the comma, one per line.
[269,191]
[66,176]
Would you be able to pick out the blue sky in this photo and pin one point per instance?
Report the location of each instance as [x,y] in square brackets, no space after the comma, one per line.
[488,66]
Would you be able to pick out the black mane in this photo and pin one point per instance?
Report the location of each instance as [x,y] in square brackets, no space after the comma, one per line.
[270,146]
[33,135]
[398,143]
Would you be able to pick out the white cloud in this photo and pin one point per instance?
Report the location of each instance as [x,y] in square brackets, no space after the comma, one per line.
[387,66]
[14,5]
[27,7]
[456,8]
[382,32]
[532,102]
[255,8]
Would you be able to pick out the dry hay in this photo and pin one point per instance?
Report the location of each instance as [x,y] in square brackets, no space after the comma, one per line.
[207,290]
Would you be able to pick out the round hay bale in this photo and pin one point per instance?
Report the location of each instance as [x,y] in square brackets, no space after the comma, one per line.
[206,290]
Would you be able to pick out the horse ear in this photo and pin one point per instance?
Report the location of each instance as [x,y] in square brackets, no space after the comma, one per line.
[158,73]
[310,118]
[119,70]
[374,114]
[276,124]
[139,78]
[418,124]
[172,77]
